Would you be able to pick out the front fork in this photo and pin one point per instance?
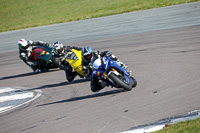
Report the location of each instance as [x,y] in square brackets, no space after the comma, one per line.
[105,76]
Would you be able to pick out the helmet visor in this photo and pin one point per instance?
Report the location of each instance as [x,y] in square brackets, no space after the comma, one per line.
[87,57]
[59,51]
[21,46]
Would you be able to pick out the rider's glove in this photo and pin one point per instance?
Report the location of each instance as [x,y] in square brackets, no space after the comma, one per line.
[33,63]
[23,55]
[30,42]
[90,66]
[86,70]
[62,59]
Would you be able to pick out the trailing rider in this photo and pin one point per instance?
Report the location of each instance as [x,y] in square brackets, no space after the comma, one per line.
[59,59]
[25,53]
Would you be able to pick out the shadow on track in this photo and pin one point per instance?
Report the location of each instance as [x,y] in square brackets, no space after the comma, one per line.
[26,74]
[60,84]
[19,75]
[85,97]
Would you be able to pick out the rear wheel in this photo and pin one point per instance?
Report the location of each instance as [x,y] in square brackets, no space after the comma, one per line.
[118,81]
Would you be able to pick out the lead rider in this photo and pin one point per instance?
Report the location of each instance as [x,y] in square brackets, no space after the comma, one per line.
[87,57]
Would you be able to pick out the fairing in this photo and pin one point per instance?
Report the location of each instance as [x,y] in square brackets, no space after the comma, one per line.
[43,53]
[106,63]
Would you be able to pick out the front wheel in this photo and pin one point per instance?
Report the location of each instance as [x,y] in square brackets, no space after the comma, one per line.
[134,82]
[120,82]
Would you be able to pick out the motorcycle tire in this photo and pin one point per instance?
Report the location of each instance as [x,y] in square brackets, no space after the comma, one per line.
[120,82]
[134,82]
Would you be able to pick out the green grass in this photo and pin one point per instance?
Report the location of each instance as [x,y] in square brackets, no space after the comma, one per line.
[190,126]
[18,14]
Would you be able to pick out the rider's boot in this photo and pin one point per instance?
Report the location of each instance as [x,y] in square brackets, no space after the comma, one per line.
[122,65]
[129,73]
[125,67]
[101,86]
[35,70]
[88,78]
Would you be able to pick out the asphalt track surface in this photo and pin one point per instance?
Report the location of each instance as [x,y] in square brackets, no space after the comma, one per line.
[165,61]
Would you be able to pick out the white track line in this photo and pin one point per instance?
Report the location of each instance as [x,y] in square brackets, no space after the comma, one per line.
[17,96]
[3,90]
[31,95]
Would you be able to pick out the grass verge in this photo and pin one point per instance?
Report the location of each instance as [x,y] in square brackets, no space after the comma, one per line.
[30,13]
[189,126]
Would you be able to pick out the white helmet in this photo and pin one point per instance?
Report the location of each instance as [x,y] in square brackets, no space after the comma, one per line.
[58,48]
[23,44]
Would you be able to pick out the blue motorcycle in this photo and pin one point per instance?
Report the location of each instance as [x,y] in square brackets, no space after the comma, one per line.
[112,73]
